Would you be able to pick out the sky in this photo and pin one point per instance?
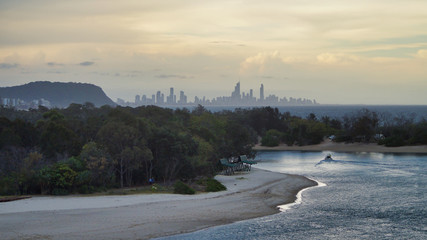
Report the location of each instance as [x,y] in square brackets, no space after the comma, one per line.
[334,51]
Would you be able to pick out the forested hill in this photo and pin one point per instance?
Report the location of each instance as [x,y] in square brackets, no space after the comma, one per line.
[58,94]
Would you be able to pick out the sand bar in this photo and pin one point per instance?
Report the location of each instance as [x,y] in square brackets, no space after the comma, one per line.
[249,195]
[350,147]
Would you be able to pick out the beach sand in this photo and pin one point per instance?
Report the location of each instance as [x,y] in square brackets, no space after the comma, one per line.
[343,147]
[249,195]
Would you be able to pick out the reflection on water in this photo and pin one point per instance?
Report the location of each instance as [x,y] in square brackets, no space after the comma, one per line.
[368,196]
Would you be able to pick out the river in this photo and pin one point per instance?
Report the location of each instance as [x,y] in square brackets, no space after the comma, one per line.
[366,196]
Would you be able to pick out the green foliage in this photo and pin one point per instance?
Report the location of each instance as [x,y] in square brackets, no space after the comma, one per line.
[99,165]
[7,186]
[202,162]
[212,185]
[272,138]
[360,127]
[83,148]
[418,133]
[56,138]
[393,141]
[60,191]
[86,189]
[58,179]
[182,188]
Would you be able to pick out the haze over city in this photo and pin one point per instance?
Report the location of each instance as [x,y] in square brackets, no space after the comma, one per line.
[337,52]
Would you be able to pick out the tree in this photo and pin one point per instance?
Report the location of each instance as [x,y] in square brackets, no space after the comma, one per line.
[132,161]
[172,152]
[99,163]
[12,164]
[205,160]
[272,138]
[147,160]
[364,125]
[56,139]
[57,179]
[238,140]
[117,137]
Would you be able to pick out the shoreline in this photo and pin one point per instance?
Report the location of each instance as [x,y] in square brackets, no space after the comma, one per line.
[345,147]
[249,195]
[298,200]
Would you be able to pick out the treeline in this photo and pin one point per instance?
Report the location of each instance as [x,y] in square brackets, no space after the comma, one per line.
[361,126]
[84,149]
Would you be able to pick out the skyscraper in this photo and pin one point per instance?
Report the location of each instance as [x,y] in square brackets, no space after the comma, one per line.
[137,99]
[261,93]
[171,99]
[236,94]
[182,98]
[160,98]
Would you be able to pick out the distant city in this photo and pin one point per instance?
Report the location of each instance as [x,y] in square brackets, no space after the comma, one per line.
[236,99]
[20,104]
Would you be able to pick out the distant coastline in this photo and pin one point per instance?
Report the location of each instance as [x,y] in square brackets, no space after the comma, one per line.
[343,147]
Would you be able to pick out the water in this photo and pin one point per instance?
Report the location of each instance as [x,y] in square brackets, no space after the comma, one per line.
[368,196]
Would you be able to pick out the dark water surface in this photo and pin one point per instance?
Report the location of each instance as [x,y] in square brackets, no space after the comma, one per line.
[367,196]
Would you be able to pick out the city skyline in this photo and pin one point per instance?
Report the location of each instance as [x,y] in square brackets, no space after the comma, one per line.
[338,52]
[237,98]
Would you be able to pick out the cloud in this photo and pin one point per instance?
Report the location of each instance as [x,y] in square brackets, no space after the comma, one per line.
[54,64]
[221,42]
[336,58]
[261,61]
[8,65]
[422,53]
[87,63]
[55,72]
[173,76]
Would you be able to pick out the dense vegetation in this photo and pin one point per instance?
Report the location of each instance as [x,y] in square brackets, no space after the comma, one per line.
[84,149]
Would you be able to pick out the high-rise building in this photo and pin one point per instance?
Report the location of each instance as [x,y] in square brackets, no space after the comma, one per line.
[160,98]
[171,99]
[182,98]
[261,93]
[236,94]
[237,98]
[137,99]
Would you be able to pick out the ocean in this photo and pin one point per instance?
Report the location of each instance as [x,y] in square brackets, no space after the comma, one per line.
[364,196]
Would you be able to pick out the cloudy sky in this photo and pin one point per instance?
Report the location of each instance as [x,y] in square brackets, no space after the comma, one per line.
[334,51]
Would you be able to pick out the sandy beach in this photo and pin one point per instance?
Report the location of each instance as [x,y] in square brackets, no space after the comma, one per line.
[249,195]
[343,147]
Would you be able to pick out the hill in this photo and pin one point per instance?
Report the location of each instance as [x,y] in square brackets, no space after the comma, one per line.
[58,94]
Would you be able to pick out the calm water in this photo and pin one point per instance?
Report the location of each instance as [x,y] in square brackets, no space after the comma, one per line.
[368,196]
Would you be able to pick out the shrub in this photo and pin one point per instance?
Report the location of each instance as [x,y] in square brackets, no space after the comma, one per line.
[271,138]
[86,189]
[7,186]
[212,185]
[394,141]
[60,191]
[182,188]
